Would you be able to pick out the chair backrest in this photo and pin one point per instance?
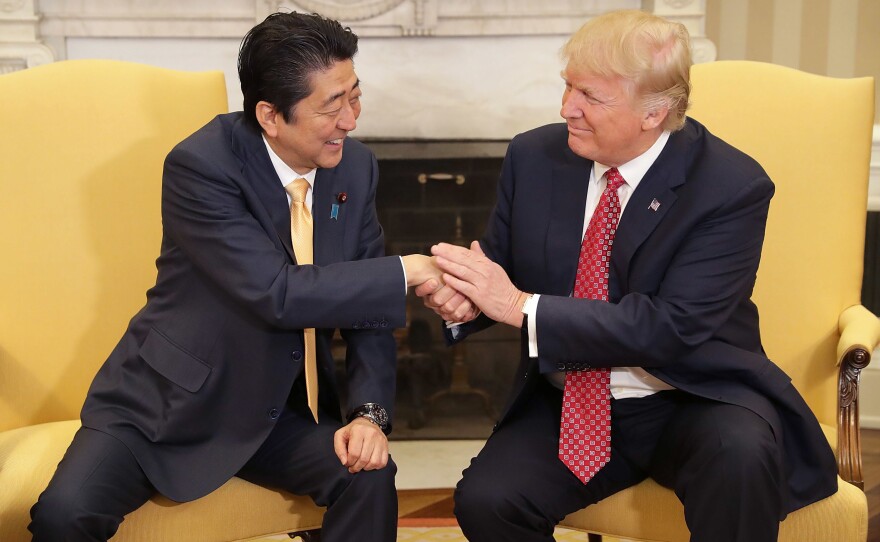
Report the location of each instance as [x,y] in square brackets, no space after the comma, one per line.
[812,134]
[81,151]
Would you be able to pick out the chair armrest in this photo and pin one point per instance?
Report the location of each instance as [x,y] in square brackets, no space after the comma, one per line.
[859,335]
[859,329]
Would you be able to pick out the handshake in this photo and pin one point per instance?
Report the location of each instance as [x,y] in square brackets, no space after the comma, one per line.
[459,283]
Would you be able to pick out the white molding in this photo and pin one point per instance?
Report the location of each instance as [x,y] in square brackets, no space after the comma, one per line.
[874,182]
[421,18]
[20,47]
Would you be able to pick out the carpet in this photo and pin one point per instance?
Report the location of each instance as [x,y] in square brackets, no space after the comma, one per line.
[449,533]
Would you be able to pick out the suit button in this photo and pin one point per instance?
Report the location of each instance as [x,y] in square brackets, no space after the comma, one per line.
[273,413]
[296,355]
[374,324]
[383,323]
[357,325]
[560,366]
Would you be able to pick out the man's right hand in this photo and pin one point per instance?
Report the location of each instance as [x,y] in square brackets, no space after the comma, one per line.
[420,268]
[447,302]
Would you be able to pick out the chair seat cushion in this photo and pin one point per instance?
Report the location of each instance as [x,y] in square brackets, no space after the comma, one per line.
[237,510]
[649,511]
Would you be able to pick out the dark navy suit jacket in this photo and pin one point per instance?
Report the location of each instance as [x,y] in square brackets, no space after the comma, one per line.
[682,270]
[197,381]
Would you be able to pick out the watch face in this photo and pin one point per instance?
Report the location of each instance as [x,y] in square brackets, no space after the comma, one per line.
[380,415]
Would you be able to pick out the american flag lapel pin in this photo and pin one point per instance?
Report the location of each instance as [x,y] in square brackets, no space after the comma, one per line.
[654,205]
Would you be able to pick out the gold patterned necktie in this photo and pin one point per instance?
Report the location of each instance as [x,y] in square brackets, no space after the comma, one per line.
[301,238]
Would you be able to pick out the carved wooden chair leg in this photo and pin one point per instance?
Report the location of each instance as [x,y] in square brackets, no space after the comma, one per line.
[312,535]
[593,537]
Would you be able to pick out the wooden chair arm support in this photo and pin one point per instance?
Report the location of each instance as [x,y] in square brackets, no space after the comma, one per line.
[859,335]
[849,446]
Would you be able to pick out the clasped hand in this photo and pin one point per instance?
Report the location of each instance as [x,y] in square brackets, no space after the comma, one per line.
[470,283]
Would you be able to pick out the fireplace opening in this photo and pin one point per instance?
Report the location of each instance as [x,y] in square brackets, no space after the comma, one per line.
[431,192]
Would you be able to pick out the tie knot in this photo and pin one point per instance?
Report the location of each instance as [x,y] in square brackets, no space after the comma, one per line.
[614,178]
[297,190]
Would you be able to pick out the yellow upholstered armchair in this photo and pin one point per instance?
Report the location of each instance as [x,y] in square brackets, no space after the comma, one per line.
[813,136]
[81,151]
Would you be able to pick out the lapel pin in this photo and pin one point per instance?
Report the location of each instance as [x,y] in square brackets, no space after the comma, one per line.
[654,205]
[341,198]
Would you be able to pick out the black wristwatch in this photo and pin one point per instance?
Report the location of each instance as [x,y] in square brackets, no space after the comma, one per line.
[372,412]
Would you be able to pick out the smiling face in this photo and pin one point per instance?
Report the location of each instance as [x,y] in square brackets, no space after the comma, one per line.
[606,122]
[316,132]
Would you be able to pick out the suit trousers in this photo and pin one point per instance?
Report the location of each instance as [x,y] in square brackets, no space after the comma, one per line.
[99,481]
[721,460]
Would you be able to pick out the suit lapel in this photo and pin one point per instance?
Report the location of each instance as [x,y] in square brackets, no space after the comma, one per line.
[652,199]
[261,176]
[570,182]
[329,226]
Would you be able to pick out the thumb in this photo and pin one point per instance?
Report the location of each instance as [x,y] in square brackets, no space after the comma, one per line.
[427,288]
[340,444]
[475,246]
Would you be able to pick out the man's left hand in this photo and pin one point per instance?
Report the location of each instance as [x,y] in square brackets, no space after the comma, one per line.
[361,445]
[481,280]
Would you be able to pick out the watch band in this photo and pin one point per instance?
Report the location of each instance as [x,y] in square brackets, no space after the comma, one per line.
[374,413]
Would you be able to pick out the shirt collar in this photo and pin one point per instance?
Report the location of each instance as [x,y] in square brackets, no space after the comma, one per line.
[635,169]
[286,174]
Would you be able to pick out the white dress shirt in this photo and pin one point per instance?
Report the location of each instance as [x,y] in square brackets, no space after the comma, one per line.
[626,382]
[287,175]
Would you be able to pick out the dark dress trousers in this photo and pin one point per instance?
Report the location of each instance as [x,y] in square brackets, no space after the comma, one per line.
[682,270]
[203,373]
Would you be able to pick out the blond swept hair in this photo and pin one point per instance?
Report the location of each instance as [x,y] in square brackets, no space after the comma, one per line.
[649,52]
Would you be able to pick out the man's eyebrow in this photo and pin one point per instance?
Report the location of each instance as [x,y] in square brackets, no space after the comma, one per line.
[338,95]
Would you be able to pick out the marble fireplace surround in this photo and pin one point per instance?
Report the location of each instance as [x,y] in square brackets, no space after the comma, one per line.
[431,69]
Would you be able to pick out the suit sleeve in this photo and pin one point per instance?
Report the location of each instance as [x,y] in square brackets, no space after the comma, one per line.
[206,215]
[495,243]
[710,275]
[371,354]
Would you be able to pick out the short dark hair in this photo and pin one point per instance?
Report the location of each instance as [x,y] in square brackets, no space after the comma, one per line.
[277,58]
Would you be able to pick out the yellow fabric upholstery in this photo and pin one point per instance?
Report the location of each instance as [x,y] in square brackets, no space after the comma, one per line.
[813,136]
[81,153]
[238,510]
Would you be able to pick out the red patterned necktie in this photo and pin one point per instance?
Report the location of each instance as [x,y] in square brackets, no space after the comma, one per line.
[585,428]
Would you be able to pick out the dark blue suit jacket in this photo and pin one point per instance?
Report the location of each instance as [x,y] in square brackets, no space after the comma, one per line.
[681,279]
[196,383]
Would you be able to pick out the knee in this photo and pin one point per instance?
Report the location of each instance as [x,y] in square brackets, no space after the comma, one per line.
[749,454]
[55,515]
[479,504]
[366,482]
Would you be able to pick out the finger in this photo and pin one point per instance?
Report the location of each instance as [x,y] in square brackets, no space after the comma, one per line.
[463,286]
[458,305]
[452,252]
[340,441]
[364,454]
[355,447]
[463,310]
[442,296]
[461,270]
[428,287]
[475,247]
[378,459]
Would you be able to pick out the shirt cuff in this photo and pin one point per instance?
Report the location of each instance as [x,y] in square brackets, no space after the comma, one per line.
[530,309]
[403,267]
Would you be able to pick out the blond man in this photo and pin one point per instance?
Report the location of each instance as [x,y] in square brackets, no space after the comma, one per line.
[625,244]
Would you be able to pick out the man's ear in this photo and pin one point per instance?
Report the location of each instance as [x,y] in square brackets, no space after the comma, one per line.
[268,117]
[654,117]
